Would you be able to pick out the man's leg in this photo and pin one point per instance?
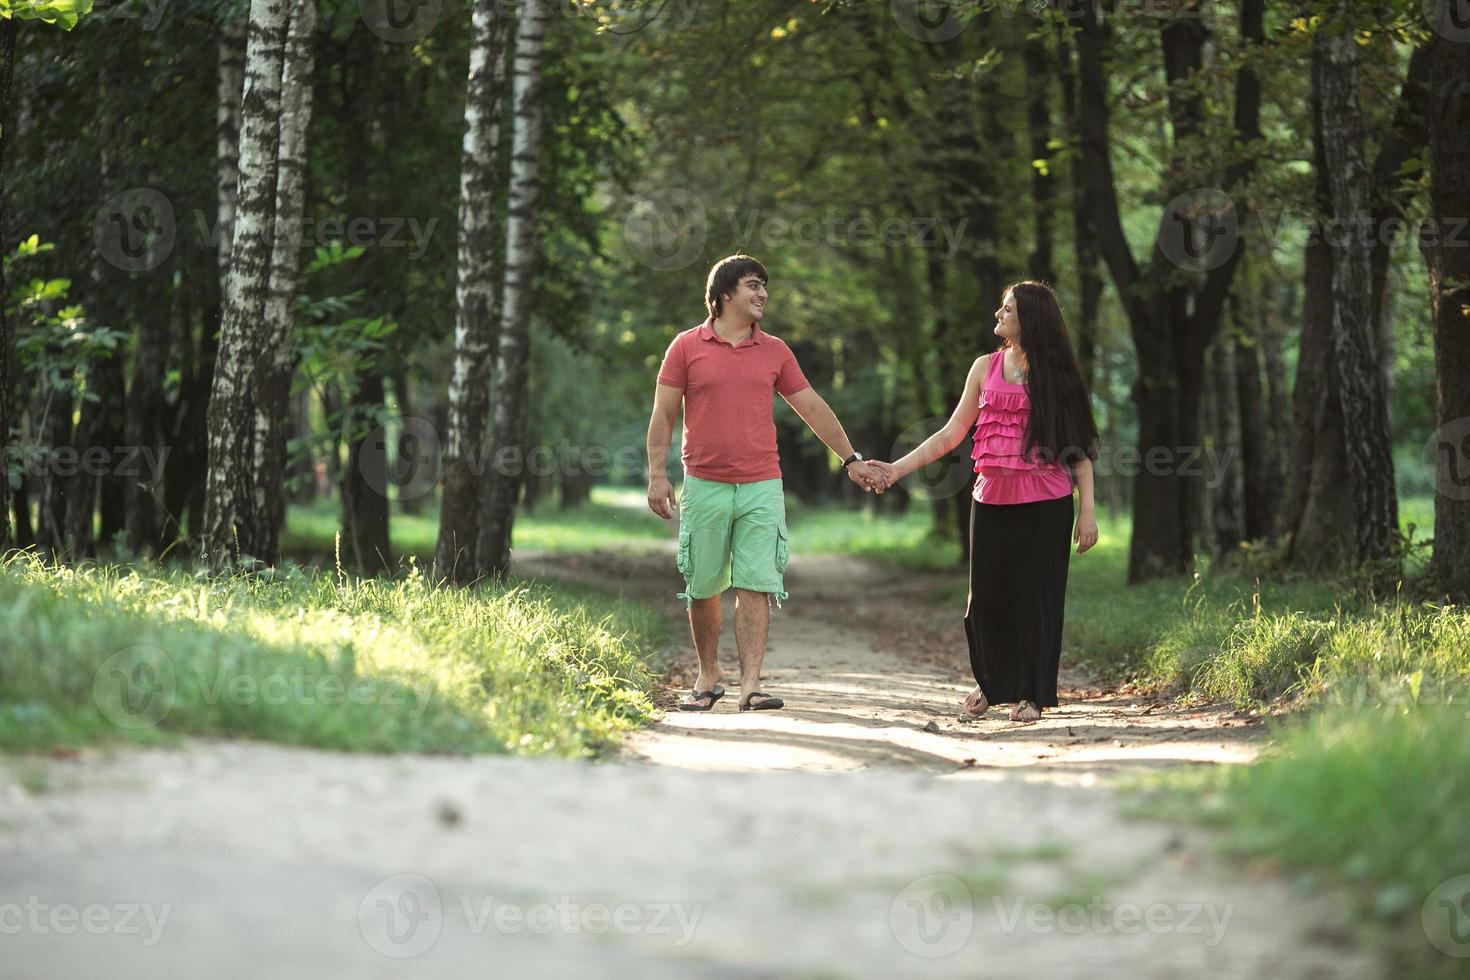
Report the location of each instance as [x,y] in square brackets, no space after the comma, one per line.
[705,510]
[752,626]
[704,624]
[758,559]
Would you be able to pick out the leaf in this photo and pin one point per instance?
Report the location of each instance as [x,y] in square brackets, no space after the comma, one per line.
[1415,680]
[62,13]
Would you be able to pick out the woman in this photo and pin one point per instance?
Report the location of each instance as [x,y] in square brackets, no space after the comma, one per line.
[1033,434]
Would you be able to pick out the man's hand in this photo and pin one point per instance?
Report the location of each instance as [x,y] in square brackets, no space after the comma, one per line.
[661,497]
[867,477]
[888,470]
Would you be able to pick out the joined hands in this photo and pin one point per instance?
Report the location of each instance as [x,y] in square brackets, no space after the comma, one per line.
[873,475]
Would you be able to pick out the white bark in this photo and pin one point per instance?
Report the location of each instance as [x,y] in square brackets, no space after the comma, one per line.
[296,108]
[469,395]
[230,521]
[520,252]
[230,82]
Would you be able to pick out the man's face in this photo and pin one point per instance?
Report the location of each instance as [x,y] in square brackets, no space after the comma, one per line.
[748,302]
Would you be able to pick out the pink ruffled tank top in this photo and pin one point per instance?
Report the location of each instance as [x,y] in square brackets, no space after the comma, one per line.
[1005,477]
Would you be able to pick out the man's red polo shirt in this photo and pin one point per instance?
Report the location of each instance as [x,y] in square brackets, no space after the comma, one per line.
[729,433]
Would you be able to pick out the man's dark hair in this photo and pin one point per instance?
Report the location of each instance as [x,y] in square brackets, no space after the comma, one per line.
[725,276]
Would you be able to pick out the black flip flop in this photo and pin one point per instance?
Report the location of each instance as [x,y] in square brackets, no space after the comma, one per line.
[713,695]
[768,704]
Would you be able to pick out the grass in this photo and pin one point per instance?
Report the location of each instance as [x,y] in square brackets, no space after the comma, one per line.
[98,654]
[1366,798]
[899,540]
[614,519]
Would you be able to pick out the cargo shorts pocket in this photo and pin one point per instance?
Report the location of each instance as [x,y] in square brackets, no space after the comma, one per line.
[682,560]
[783,549]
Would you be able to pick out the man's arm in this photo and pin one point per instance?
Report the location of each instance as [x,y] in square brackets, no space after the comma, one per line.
[820,418]
[666,403]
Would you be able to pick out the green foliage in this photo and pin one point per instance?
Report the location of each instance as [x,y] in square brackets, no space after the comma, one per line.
[1367,797]
[143,654]
[62,13]
[52,341]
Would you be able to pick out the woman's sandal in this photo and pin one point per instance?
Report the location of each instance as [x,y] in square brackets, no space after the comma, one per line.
[697,696]
[768,704]
[1022,706]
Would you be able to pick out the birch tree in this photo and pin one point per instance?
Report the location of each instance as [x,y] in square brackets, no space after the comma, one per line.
[232,524]
[278,361]
[509,431]
[468,403]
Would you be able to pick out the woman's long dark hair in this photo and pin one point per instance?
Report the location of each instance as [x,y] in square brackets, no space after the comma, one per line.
[1060,428]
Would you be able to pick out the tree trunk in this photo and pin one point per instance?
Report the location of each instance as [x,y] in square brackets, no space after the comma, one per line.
[7,65]
[1084,239]
[1258,485]
[1172,325]
[413,462]
[1317,514]
[53,428]
[1354,323]
[1227,510]
[143,428]
[233,526]
[229,90]
[1043,184]
[186,476]
[365,542]
[456,555]
[509,432]
[279,360]
[1319,511]
[1449,285]
[301,470]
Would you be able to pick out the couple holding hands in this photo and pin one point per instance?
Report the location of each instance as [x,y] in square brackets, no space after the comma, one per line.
[1034,437]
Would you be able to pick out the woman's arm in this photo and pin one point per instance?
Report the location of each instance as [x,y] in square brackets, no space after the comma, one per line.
[954,431]
[1085,533]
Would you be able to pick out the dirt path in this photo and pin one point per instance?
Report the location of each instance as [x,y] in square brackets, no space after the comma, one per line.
[873,673]
[864,831]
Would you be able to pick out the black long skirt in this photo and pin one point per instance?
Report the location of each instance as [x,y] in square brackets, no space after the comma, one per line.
[1018,590]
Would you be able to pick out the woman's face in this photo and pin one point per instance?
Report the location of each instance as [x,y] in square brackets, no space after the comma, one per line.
[1007,326]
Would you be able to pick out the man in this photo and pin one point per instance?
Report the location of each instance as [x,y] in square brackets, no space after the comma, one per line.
[732,513]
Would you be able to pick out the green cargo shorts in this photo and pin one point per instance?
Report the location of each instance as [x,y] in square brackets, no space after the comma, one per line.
[732,534]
